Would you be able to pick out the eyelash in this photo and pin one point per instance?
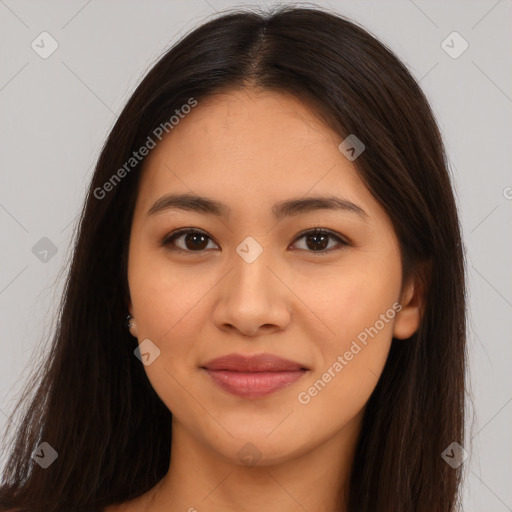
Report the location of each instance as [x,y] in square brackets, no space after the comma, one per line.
[168,239]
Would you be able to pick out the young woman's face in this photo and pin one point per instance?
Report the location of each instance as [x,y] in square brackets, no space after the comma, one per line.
[248,279]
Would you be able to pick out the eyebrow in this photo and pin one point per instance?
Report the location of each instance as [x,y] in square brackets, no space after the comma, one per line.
[290,207]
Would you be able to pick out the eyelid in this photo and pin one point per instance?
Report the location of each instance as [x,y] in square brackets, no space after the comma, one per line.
[342,241]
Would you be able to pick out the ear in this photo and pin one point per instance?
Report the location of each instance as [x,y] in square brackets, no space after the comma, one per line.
[412,299]
[129,307]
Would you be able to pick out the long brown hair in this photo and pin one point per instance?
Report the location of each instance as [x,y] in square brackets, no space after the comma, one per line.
[92,400]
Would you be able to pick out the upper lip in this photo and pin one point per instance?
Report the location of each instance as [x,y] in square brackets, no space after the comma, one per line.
[253,363]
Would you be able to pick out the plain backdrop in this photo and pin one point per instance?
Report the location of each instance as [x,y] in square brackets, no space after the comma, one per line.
[57,111]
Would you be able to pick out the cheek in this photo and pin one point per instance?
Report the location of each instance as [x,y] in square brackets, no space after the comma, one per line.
[351,300]
[167,306]
[163,294]
[360,310]
[350,364]
[359,307]
[361,304]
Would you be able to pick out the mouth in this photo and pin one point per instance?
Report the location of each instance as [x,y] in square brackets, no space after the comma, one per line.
[253,376]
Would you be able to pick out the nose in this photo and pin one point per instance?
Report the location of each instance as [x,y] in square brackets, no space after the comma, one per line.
[251,299]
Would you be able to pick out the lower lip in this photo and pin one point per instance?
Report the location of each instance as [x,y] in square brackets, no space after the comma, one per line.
[254,384]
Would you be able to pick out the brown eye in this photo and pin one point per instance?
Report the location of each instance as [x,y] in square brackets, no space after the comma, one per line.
[317,241]
[188,240]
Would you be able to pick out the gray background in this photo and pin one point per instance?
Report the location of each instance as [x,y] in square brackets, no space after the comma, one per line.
[56,113]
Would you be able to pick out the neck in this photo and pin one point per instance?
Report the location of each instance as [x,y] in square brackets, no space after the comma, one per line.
[314,479]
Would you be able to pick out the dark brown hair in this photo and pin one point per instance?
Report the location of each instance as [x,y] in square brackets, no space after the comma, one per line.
[92,400]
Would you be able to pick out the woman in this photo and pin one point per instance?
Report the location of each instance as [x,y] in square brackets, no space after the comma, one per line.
[273,212]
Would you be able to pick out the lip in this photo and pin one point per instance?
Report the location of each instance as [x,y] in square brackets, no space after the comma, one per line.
[253,376]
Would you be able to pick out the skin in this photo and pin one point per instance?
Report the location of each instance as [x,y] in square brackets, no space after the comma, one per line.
[250,149]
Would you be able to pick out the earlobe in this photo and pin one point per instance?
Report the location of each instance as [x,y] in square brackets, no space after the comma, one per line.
[408,320]
[132,326]
[130,322]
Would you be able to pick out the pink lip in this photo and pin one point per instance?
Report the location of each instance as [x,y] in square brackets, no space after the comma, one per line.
[253,376]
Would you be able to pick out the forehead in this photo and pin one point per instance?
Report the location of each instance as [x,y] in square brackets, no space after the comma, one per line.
[244,146]
[249,124]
